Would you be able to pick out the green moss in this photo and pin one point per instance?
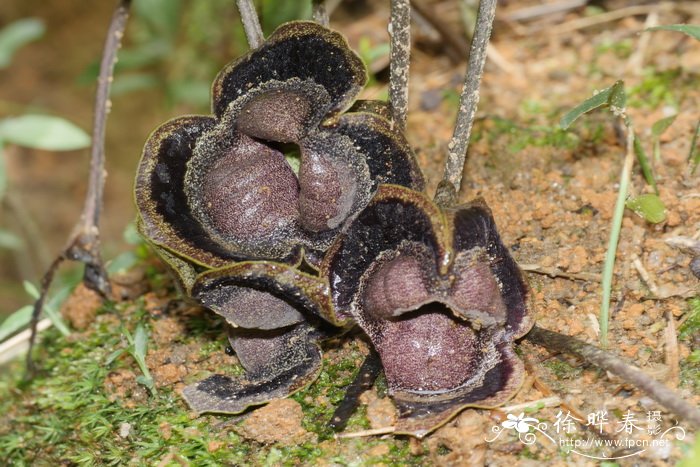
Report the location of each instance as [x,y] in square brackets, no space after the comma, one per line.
[518,138]
[691,326]
[562,369]
[657,88]
[66,415]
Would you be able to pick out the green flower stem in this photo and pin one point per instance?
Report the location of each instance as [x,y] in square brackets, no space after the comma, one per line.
[615,228]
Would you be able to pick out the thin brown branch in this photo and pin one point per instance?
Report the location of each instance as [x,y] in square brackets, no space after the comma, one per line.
[320,13]
[455,45]
[363,381]
[400,33]
[469,100]
[614,15]
[668,398]
[537,11]
[554,272]
[38,307]
[84,243]
[251,23]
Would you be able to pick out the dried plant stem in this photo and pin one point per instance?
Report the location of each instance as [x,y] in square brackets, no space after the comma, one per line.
[251,23]
[457,148]
[455,45]
[554,272]
[537,11]
[552,401]
[615,228]
[400,33]
[320,13]
[666,397]
[84,243]
[361,434]
[368,373]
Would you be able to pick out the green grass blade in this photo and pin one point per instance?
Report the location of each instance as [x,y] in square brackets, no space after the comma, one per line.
[694,155]
[615,227]
[15,322]
[597,100]
[644,164]
[693,30]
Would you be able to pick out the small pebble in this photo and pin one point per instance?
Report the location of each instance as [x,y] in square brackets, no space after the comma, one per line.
[695,266]
[124,429]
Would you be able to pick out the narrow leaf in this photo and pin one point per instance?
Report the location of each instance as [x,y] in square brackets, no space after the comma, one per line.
[597,100]
[123,262]
[15,35]
[146,381]
[3,172]
[43,132]
[648,206]
[140,343]
[15,322]
[10,241]
[114,355]
[644,163]
[694,154]
[51,305]
[55,318]
[658,128]
[693,30]
[618,98]
[31,290]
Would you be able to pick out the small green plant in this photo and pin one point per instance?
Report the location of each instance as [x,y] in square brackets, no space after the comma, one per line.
[17,34]
[650,206]
[137,347]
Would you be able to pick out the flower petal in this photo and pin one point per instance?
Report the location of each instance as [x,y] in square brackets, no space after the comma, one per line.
[277,364]
[301,50]
[436,314]
[474,227]
[165,216]
[304,292]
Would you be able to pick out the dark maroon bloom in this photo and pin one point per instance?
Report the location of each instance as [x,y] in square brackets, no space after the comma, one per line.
[440,298]
[217,189]
[214,192]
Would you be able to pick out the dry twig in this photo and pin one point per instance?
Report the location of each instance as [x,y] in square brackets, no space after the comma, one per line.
[320,13]
[455,45]
[671,351]
[607,361]
[361,434]
[457,147]
[537,11]
[400,33]
[251,23]
[614,15]
[552,401]
[84,243]
[554,272]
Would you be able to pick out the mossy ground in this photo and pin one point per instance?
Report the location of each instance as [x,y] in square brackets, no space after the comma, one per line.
[74,412]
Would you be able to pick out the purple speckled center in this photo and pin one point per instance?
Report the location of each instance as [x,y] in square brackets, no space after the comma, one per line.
[427,350]
[250,192]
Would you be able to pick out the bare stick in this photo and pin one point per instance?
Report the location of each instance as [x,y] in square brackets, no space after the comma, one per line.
[554,272]
[364,433]
[400,33]
[84,243]
[251,23]
[607,361]
[457,148]
[455,45]
[552,401]
[320,13]
[363,381]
